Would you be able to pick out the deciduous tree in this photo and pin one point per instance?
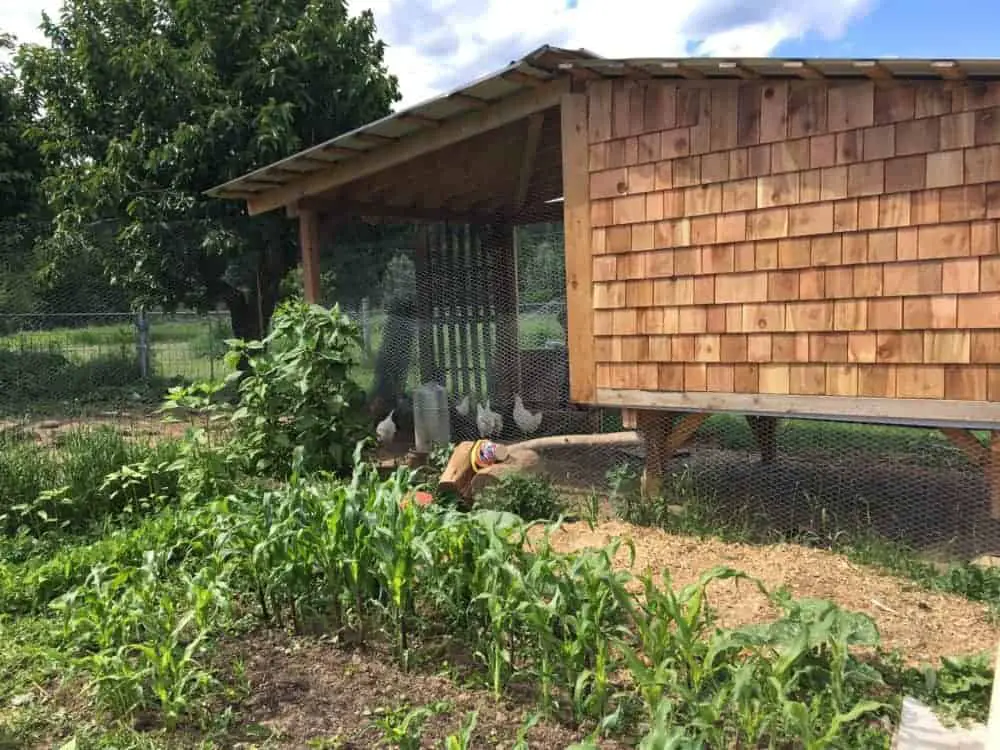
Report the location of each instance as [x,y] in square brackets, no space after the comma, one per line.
[148,103]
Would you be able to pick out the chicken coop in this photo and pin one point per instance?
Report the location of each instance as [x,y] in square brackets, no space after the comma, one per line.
[773,240]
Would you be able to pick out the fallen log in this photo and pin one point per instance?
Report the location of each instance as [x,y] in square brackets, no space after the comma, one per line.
[523,456]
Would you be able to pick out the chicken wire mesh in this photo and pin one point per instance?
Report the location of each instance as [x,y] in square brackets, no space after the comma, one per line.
[73,354]
[481,310]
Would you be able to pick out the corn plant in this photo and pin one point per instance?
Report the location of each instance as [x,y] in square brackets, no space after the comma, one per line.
[403,727]
[463,740]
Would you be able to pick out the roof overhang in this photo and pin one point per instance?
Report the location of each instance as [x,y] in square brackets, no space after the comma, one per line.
[535,83]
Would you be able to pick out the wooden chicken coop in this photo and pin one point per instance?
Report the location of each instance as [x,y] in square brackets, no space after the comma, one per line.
[772,238]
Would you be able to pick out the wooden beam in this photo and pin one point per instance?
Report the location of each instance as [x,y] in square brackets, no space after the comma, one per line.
[525,79]
[405,149]
[339,150]
[972,415]
[531,140]
[948,69]
[581,73]
[765,432]
[968,444]
[682,70]
[803,70]
[738,69]
[578,250]
[423,121]
[309,244]
[993,474]
[389,210]
[664,436]
[874,70]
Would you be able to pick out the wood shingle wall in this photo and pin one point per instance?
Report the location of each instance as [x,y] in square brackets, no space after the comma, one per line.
[809,238]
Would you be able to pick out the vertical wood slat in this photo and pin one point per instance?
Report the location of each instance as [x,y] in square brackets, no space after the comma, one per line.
[484,262]
[579,254]
[425,307]
[449,305]
[459,303]
[505,285]
[478,384]
[438,293]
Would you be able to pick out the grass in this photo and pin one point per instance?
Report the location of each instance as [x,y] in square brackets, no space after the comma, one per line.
[111,636]
[136,581]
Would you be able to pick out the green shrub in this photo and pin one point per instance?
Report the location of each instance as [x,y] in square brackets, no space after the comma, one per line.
[80,480]
[532,498]
[299,393]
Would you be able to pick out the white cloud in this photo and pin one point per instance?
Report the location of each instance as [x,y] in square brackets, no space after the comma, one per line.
[437,45]
[22,18]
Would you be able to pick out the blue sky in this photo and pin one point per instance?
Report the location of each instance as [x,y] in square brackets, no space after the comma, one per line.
[911,28]
[436,45]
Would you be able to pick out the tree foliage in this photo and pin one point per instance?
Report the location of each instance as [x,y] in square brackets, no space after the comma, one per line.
[20,161]
[148,103]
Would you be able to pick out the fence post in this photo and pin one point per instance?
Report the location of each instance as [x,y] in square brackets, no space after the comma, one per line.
[366,326]
[142,325]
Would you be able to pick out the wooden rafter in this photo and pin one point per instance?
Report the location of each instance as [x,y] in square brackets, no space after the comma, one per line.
[421,120]
[579,72]
[739,69]
[532,138]
[874,70]
[515,107]
[473,102]
[525,79]
[803,70]
[680,69]
[392,210]
[948,69]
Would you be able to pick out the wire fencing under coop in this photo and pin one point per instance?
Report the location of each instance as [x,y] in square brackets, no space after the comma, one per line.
[481,310]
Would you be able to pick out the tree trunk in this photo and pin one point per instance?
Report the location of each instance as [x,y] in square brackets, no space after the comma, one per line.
[250,311]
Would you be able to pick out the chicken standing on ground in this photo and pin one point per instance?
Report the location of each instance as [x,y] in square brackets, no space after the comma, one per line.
[463,406]
[525,420]
[489,422]
[386,429]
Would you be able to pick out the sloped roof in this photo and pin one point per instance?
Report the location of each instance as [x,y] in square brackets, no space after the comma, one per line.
[537,67]
[546,64]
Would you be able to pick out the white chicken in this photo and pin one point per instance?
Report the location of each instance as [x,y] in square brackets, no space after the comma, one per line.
[386,429]
[463,406]
[524,419]
[489,422]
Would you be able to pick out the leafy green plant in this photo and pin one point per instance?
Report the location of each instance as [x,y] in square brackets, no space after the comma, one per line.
[403,727]
[463,740]
[532,498]
[298,392]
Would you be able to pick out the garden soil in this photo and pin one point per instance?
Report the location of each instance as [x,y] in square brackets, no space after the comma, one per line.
[923,625]
[308,692]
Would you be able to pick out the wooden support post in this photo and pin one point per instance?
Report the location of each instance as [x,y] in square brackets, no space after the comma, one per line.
[309,245]
[664,436]
[425,307]
[579,250]
[503,247]
[987,456]
[765,431]
[993,474]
